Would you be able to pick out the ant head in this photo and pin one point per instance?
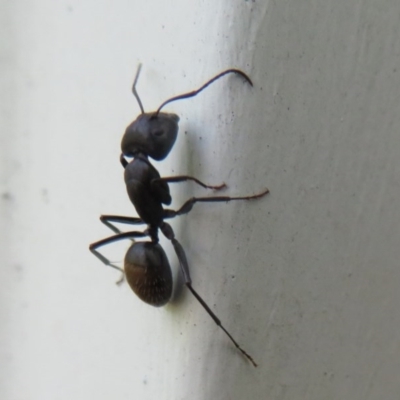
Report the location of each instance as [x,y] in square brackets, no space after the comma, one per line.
[153,134]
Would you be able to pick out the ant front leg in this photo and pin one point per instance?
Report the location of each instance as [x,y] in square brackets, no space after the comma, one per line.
[188,205]
[120,236]
[180,252]
[184,178]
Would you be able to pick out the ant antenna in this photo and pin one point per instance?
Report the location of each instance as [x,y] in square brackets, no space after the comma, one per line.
[134,88]
[195,92]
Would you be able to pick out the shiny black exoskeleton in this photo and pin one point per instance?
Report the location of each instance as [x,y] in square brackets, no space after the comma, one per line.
[146,266]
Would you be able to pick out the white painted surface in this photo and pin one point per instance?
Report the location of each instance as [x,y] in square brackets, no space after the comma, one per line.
[307,280]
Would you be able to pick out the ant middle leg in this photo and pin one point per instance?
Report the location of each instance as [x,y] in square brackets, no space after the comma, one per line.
[184,178]
[188,205]
[107,219]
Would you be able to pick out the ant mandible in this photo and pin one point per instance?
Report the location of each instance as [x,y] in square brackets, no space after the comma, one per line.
[146,265]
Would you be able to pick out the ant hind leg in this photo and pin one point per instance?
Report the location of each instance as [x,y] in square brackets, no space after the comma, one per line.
[120,236]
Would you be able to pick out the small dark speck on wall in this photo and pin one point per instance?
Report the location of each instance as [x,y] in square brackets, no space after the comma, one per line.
[45,196]
[7,196]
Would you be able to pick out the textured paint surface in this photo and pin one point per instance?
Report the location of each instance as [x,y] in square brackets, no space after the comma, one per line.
[307,279]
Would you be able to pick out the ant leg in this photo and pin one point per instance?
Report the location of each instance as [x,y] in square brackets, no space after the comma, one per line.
[107,219]
[188,205]
[180,252]
[184,178]
[103,242]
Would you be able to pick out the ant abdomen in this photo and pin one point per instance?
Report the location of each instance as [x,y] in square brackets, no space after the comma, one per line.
[148,273]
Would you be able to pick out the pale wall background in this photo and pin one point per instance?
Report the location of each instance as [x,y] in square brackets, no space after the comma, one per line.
[307,279]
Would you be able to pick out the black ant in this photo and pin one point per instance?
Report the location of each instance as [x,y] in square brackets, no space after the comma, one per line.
[146,266]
